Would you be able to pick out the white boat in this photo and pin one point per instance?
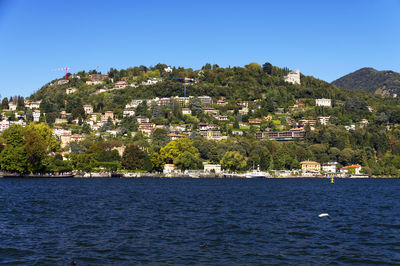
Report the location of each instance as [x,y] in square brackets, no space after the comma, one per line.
[256,173]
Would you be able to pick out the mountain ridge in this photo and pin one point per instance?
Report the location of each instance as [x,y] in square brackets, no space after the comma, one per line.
[368,79]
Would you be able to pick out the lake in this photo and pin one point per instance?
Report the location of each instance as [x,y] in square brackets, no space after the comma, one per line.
[199,221]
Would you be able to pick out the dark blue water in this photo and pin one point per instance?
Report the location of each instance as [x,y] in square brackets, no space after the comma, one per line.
[199,221]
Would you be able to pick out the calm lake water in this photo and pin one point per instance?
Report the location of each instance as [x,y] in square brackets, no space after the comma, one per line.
[199,221]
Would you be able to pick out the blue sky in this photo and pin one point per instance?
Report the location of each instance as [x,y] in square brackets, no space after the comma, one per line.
[325,39]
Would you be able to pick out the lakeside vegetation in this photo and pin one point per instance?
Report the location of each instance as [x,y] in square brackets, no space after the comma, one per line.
[363,128]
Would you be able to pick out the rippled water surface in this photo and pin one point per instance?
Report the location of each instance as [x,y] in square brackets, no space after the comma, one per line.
[199,221]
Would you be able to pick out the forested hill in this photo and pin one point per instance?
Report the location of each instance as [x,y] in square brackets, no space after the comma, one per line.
[371,80]
[251,82]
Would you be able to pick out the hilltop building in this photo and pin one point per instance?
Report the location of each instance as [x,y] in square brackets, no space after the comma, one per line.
[293,77]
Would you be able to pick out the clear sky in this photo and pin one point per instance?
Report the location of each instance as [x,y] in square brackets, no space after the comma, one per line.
[325,39]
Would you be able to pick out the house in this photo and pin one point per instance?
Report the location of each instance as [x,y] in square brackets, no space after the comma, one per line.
[212,168]
[205,99]
[142,119]
[293,77]
[61,82]
[304,122]
[32,105]
[95,127]
[151,81]
[221,103]
[310,166]
[128,112]
[36,115]
[98,77]
[243,103]
[351,169]
[109,115]
[134,104]
[237,132]
[210,111]
[60,121]
[101,90]
[63,114]
[222,118]
[244,111]
[70,90]
[121,84]
[363,123]
[146,130]
[4,125]
[88,108]
[65,139]
[323,102]
[165,102]
[350,128]
[323,120]
[174,136]
[255,122]
[12,106]
[168,69]
[186,111]
[170,168]
[329,167]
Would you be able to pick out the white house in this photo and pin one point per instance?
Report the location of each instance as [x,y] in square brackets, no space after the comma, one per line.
[329,167]
[128,112]
[4,125]
[323,120]
[293,77]
[12,106]
[70,90]
[186,111]
[168,69]
[205,99]
[142,119]
[323,102]
[133,104]
[88,108]
[36,115]
[353,169]
[209,168]
[170,168]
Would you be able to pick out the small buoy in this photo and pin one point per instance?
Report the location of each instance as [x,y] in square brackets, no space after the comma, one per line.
[324,215]
[332,180]
[203,245]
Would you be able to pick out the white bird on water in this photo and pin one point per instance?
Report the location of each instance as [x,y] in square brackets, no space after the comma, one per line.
[324,215]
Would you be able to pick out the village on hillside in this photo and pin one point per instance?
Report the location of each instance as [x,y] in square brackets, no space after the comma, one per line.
[213,118]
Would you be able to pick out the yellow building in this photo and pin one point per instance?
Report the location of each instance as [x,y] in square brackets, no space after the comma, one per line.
[310,166]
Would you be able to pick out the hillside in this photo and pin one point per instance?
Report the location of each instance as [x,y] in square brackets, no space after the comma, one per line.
[371,80]
[237,117]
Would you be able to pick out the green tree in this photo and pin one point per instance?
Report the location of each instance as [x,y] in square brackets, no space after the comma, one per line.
[133,158]
[159,139]
[187,160]
[35,149]
[175,148]
[233,161]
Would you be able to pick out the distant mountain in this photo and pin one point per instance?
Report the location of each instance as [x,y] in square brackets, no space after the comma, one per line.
[371,80]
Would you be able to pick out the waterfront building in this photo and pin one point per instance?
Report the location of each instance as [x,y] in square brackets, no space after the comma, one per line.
[329,167]
[310,166]
[351,169]
[210,168]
